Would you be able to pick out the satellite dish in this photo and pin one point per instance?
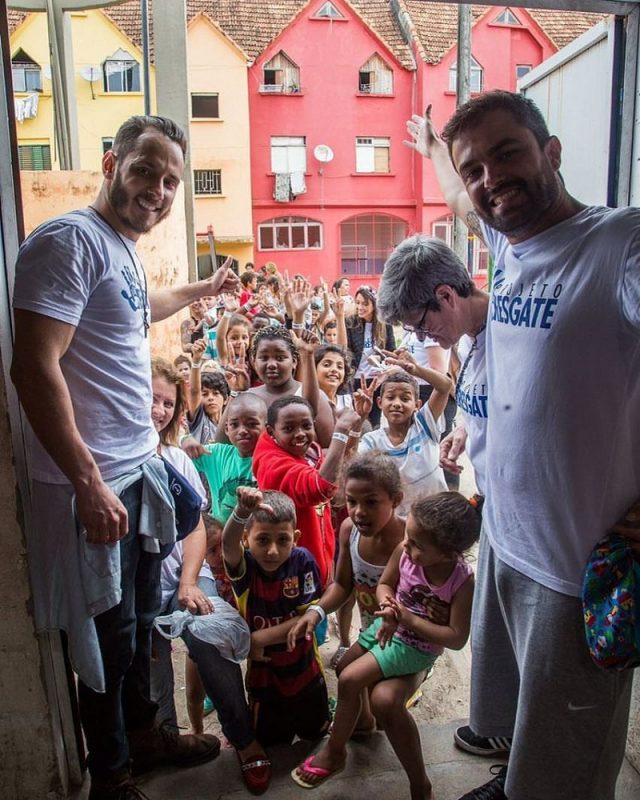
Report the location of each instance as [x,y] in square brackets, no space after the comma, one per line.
[323,153]
[46,71]
[91,74]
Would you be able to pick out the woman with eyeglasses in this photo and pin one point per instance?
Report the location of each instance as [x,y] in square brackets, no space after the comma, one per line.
[362,332]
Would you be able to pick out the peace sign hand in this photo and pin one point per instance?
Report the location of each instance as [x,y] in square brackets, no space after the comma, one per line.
[237,374]
[363,398]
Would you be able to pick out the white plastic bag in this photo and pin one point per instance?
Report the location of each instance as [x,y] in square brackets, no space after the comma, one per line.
[224,628]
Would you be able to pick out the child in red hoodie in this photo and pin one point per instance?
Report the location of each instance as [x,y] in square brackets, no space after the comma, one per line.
[288,459]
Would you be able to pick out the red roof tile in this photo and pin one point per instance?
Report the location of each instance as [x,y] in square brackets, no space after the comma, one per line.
[436,25]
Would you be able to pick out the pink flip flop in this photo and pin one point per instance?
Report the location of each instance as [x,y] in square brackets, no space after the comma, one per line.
[319,772]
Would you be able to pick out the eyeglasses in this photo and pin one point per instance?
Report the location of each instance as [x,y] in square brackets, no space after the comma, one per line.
[418,329]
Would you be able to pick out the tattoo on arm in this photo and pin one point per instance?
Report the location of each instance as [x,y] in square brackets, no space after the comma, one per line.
[473,223]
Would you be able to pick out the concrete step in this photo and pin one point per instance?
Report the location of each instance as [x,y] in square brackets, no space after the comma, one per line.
[372,771]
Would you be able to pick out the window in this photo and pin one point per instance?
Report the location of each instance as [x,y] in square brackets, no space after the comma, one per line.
[506,17]
[107,143]
[375,77]
[280,75]
[207,181]
[477,76]
[290,233]
[372,154]
[477,253]
[27,75]
[288,154]
[34,156]
[521,70]
[204,106]
[366,241]
[329,11]
[121,73]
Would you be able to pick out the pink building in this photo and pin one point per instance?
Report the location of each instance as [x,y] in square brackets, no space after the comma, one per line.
[332,184]
[333,187]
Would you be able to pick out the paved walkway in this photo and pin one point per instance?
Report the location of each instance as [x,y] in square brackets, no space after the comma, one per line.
[372,771]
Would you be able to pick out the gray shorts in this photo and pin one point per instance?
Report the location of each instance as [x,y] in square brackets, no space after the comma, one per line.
[532,678]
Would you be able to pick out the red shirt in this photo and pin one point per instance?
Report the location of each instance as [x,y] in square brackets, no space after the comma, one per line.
[274,468]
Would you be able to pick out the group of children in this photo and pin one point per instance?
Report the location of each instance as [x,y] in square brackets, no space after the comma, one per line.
[310,502]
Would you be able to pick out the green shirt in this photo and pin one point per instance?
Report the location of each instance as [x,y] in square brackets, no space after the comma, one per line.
[225,469]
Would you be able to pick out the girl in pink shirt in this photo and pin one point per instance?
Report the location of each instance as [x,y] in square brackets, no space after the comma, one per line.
[425,578]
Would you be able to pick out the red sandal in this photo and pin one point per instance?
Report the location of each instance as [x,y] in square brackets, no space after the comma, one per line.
[256,774]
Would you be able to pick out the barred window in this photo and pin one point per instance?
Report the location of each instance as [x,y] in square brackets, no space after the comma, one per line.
[207,181]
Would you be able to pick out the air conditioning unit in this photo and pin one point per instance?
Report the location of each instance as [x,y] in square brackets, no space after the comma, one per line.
[271,88]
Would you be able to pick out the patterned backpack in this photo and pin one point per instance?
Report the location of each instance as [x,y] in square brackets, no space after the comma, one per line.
[611,604]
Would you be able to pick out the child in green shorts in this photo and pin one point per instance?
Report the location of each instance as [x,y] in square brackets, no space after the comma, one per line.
[393,655]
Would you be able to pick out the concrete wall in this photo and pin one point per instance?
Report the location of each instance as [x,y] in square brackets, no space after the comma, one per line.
[28,768]
[163,251]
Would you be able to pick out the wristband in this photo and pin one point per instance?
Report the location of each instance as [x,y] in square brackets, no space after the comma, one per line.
[196,366]
[227,314]
[340,437]
[319,611]
[240,520]
[233,393]
[297,326]
[355,434]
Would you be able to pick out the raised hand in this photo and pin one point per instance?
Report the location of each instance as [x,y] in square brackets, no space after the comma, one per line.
[249,499]
[400,358]
[363,398]
[338,304]
[237,374]
[300,296]
[306,341]
[231,301]
[347,420]
[224,279]
[197,349]
[424,137]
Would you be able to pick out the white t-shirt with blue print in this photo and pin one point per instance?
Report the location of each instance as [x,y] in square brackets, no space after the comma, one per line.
[417,457]
[563,369]
[75,269]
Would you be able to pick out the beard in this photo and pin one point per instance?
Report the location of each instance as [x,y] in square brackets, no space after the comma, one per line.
[537,197]
[120,200]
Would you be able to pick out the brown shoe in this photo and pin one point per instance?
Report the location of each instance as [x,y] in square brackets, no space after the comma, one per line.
[163,745]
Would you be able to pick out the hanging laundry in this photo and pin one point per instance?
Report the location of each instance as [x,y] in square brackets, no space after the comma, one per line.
[282,187]
[298,186]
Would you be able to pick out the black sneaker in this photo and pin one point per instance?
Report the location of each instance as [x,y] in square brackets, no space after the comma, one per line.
[467,740]
[493,789]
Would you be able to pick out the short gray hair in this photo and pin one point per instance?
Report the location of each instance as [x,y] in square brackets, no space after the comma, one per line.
[412,273]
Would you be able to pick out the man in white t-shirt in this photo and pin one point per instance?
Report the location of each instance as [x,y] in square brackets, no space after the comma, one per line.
[562,454]
[81,369]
